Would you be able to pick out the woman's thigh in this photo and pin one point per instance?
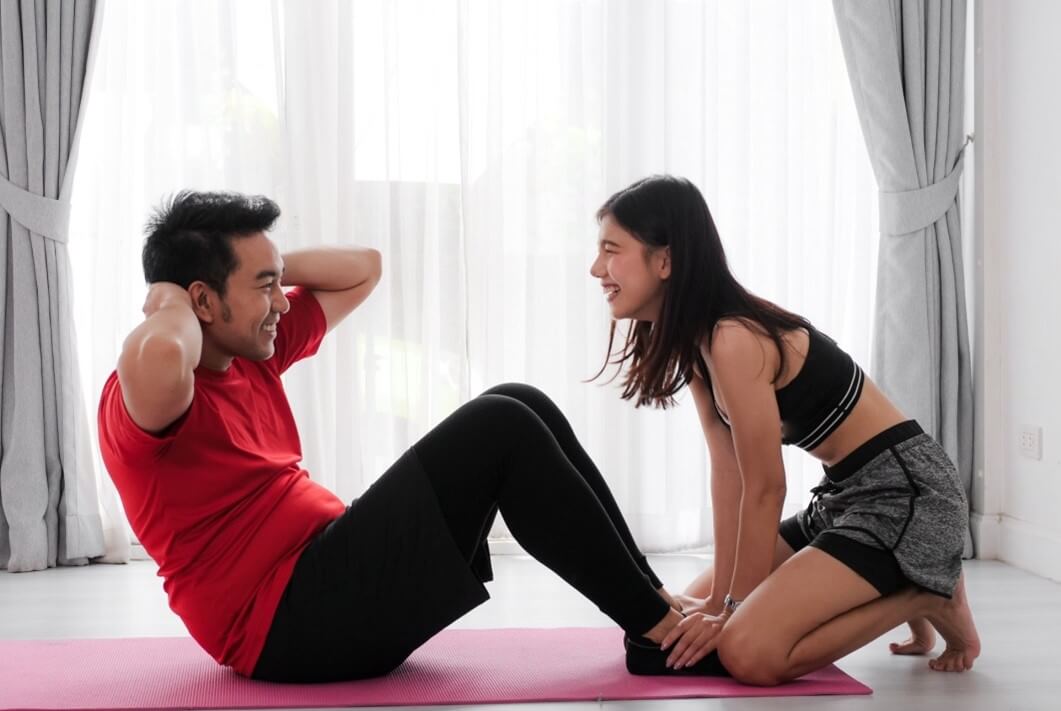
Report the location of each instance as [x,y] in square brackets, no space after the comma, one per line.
[805,592]
[782,552]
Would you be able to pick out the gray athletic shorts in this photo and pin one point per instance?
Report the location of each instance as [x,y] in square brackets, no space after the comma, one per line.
[894,511]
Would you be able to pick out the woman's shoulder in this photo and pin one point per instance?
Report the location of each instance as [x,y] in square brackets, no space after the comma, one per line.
[738,343]
[734,333]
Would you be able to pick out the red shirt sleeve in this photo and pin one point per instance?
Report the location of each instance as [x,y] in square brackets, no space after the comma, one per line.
[122,434]
[300,331]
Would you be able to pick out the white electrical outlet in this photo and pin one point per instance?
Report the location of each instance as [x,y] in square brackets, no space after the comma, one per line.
[1030,441]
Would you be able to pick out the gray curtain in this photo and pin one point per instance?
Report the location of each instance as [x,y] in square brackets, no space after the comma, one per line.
[906,60]
[48,507]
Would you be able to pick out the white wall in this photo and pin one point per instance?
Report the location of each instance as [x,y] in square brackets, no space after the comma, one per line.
[1017,243]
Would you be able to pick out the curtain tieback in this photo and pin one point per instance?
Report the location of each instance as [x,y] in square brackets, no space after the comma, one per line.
[913,210]
[41,215]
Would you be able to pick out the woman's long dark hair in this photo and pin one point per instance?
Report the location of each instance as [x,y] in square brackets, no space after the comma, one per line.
[660,356]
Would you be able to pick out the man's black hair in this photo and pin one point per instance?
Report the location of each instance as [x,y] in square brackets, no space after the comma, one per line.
[189,236]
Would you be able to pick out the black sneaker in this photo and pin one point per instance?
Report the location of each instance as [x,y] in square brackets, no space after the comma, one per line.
[645,658]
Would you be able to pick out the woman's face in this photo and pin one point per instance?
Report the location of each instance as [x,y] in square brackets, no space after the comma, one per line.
[632,275]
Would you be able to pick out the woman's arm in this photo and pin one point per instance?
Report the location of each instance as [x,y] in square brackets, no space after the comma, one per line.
[714,583]
[743,369]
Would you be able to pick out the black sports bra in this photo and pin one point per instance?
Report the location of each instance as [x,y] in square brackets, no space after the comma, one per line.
[819,398]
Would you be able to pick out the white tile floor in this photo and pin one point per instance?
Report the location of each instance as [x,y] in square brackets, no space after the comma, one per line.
[1019,616]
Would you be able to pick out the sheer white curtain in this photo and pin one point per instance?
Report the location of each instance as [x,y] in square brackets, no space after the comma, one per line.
[471,142]
[181,95]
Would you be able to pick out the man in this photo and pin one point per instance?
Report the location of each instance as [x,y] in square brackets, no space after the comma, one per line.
[270,572]
[207,358]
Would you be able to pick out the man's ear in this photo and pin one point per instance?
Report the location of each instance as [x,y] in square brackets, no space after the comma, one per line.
[664,263]
[205,301]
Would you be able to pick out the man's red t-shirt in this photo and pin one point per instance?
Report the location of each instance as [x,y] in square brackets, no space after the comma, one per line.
[219,499]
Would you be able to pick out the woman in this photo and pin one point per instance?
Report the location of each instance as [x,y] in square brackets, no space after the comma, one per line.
[880,543]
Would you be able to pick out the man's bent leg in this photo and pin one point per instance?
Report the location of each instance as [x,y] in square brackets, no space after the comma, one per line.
[495,450]
[554,419]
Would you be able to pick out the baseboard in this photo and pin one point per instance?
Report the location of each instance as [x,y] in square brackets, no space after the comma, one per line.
[987,531]
[1030,547]
[505,546]
[137,552]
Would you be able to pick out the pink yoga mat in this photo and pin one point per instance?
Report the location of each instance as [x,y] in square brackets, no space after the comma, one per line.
[456,667]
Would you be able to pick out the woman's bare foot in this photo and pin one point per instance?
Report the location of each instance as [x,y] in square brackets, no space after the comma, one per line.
[669,622]
[954,621]
[922,638]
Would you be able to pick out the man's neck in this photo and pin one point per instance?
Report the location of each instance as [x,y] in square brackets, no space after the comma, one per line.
[213,359]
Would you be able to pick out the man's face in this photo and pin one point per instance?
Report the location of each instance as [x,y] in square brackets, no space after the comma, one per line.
[253,301]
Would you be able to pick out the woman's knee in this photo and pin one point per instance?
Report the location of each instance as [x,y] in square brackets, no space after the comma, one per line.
[751,658]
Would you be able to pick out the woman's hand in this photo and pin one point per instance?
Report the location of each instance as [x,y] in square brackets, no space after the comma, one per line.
[693,639]
[692,604]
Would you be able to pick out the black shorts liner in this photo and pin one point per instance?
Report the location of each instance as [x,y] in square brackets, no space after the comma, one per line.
[878,567]
[893,511]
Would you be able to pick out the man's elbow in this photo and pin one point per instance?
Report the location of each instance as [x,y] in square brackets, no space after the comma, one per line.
[149,356]
[375,265]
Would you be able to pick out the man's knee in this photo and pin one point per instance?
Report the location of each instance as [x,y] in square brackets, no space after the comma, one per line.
[504,416]
[527,394]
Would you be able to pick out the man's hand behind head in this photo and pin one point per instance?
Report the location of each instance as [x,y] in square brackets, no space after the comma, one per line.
[163,293]
[156,368]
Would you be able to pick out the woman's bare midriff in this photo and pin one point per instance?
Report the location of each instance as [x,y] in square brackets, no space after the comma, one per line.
[873,414]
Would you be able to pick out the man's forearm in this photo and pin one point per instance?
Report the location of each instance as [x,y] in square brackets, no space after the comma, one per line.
[156,368]
[331,268]
[171,333]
